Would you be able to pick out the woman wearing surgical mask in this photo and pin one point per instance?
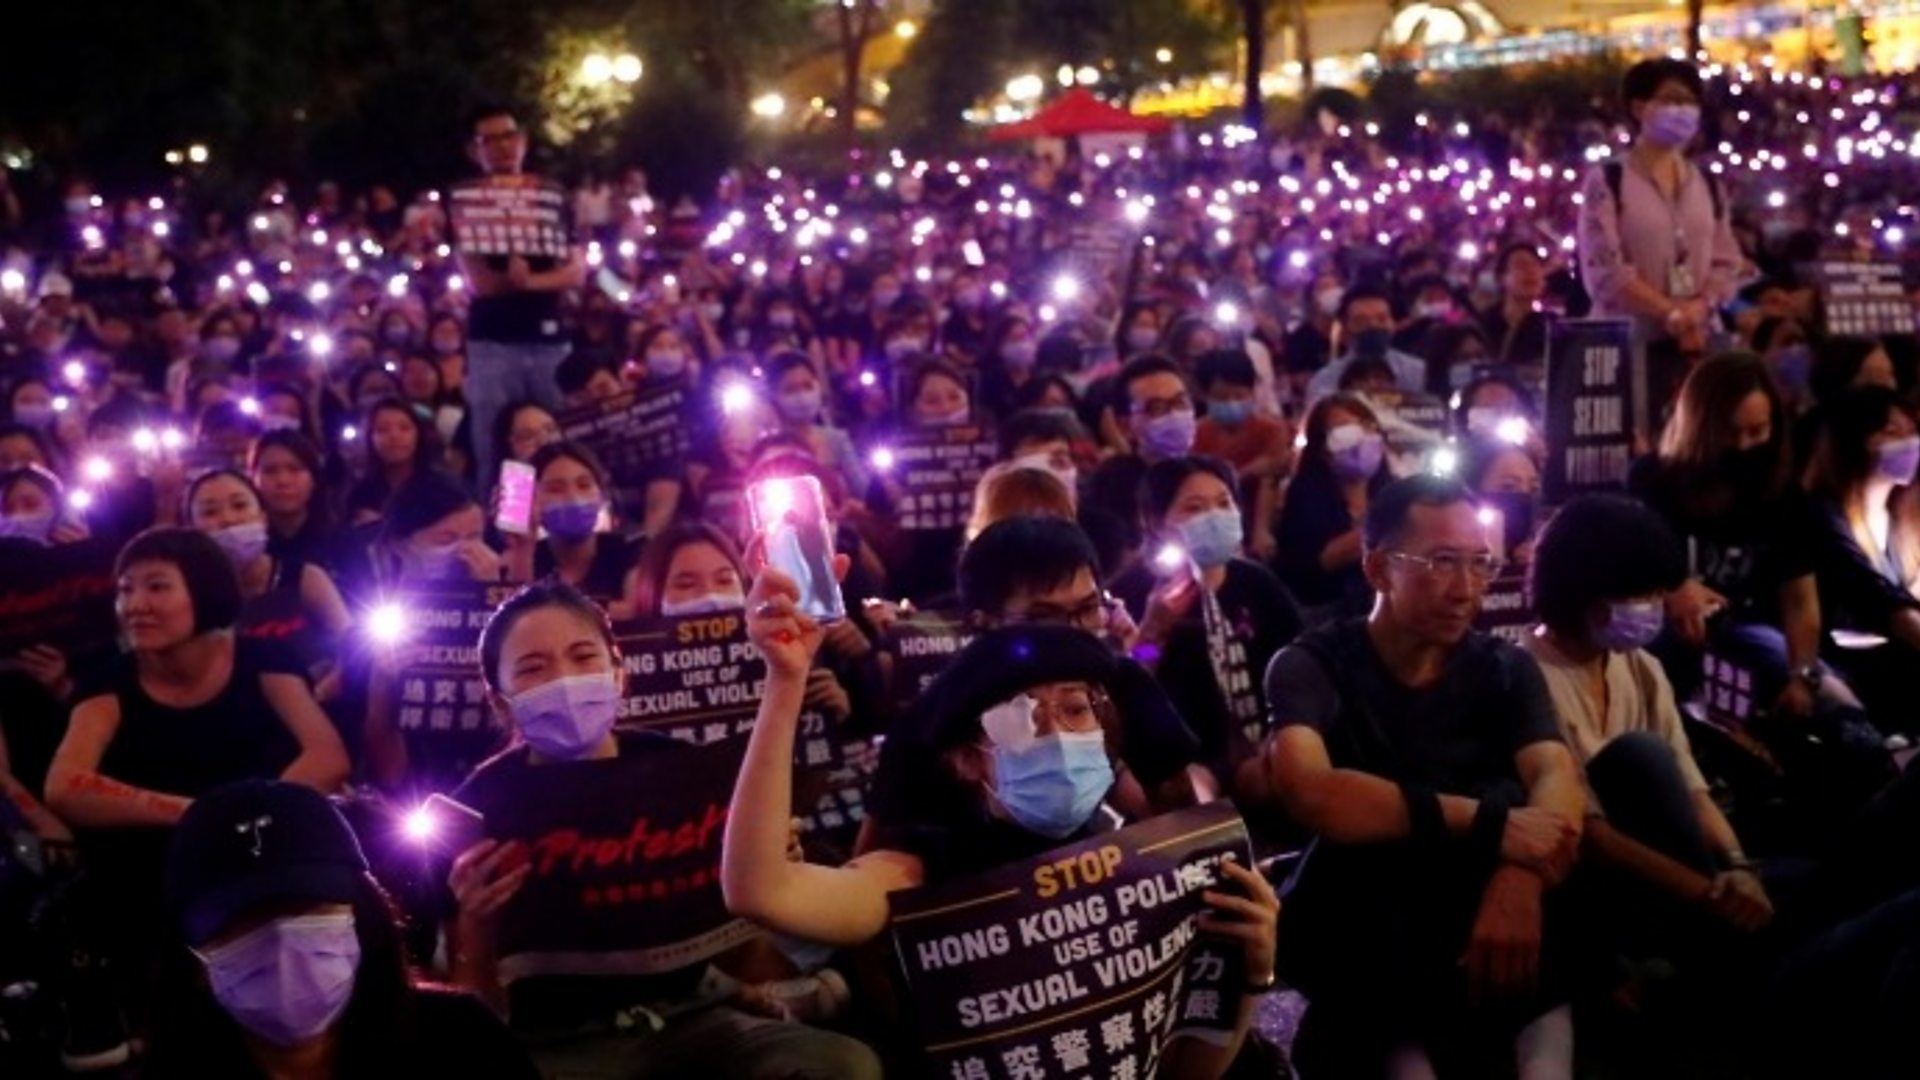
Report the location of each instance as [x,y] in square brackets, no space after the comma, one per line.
[554,678]
[1139,331]
[1341,464]
[30,404]
[691,569]
[1009,366]
[1868,546]
[401,444]
[1309,345]
[33,508]
[799,399]
[1603,567]
[1209,618]
[286,598]
[1009,758]
[447,341]
[660,356]
[1655,236]
[1782,342]
[289,959]
[939,397]
[430,538]
[571,509]
[1507,481]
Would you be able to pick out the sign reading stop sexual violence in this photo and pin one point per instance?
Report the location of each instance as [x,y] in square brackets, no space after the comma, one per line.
[1087,960]
[1596,404]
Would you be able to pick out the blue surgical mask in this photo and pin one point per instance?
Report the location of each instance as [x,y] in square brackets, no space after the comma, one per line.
[1170,435]
[1140,338]
[1053,785]
[1671,124]
[243,543]
[1230,413]
[290,980]
[1212,538]
[571,521]
[567,718]
[440,563]
[1630,625]
[1355,458]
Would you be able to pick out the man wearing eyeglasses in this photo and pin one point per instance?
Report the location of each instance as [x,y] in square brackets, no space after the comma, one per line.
[514,339]
[1425,756]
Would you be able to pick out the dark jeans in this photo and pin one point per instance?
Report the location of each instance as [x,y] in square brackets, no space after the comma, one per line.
[1373,936]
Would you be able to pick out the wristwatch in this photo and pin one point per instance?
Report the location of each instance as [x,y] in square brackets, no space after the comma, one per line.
[1812,675]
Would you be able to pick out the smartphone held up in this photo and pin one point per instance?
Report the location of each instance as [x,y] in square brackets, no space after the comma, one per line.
[790,519]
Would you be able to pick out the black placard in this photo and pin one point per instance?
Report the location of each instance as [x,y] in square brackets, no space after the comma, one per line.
[922,645]
[935,471]
[1506,610]
[633,433]
[1083,961]
[509,215]
[1596,404]
[1864,299]
[440,700]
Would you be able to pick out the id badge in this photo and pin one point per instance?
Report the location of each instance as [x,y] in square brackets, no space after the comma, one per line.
[1680,283]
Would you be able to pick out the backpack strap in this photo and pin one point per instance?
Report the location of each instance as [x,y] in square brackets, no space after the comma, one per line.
[1614,170]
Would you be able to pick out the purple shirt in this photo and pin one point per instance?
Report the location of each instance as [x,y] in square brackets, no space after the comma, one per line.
[1642,237]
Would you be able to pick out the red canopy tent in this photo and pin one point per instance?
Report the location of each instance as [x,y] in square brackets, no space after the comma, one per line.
[1078,112]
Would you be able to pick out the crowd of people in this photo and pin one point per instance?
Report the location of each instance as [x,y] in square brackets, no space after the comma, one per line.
[1267,419]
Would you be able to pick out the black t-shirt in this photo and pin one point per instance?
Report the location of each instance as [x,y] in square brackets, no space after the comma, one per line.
[606,578]
[1257,617]
[543,1001]
[1859,589]
[1745,551]
[516,317]
[190,751]
[1314,515]
[280,614]
[1457,736]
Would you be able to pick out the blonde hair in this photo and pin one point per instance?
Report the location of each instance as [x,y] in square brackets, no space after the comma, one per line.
[1007,490]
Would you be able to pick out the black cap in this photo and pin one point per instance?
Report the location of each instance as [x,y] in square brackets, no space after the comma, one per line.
[998,665]
[256,842]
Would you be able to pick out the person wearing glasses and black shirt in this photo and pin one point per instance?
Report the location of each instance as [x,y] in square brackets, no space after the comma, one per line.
[1427,759]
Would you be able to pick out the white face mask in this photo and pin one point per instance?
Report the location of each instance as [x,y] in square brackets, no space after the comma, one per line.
[709,604]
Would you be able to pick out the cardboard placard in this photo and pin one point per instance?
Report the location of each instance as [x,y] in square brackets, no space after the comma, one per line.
[60,596]
[922,645]
[510,215]
[1084,961]
[634,432]
[935,470]
[1864,299]
[1596,404]
[440,699]
[626,862]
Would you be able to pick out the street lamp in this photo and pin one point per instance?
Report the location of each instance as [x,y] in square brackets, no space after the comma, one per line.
[768,106]
[596,69]
[1025,87]
[626,68]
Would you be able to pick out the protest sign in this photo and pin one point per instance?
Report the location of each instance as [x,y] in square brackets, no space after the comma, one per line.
[625,857]
[633,433]
[1596,404]
[921,644]
[60,596]
[1084,961]
[699,680]
[936,470]
[1864,299]
[440,698]
[1095,250]
[510,215]
[1506,610]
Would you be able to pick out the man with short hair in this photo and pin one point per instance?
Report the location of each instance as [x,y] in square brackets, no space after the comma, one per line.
[1427,759]
[1038,440]
[1366,333]
[514,339]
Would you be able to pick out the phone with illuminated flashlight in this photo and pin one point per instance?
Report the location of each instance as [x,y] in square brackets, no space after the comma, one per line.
[516,499]
[447,824]
[789,515]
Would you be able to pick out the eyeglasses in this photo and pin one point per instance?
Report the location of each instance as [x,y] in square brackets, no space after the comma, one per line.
[1155,408]
[1480,566]
[1091,614]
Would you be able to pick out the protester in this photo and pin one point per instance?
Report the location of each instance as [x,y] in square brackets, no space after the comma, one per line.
[1342,464]
[553,674]
[289,960]
[570,505]
[1425,757]
[1366,328]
